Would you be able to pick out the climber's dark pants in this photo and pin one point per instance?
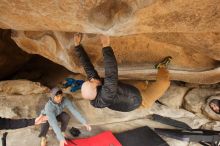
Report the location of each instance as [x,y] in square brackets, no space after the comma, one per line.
[63,118]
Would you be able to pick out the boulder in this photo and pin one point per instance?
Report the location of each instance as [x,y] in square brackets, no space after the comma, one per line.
[18,101]
[142,32]
[115,17]
[12,58]
[21,87]
[173,97]
[187,65]
[197,97]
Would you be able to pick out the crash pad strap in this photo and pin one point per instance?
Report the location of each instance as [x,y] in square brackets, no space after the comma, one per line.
[171,122]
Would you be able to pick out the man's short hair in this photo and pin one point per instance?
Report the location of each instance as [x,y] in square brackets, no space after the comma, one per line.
[56,91]
[216,102]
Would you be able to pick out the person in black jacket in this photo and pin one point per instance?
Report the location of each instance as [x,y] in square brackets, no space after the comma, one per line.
[110,92]
[6,123]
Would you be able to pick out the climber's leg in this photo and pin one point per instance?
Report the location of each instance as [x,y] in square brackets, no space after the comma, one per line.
[153,91]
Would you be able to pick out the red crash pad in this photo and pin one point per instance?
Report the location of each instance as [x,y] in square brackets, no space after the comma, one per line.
[102,139]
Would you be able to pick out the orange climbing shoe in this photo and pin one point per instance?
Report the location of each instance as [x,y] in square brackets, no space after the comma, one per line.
[164,63]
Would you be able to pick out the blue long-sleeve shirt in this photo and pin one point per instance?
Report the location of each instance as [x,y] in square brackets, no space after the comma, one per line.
[53,109]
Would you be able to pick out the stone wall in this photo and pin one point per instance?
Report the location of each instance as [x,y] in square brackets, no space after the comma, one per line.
[143,32]
[25,99]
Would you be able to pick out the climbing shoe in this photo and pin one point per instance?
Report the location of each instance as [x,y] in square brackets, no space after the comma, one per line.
[43,141]
[164,63]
